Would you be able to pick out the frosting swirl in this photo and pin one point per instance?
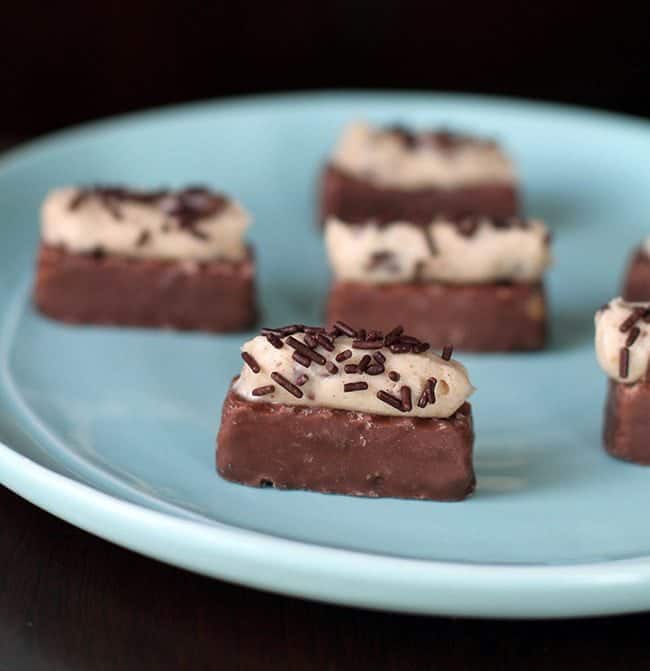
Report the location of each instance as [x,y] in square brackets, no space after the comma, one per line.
[194,224]
[478,250]
[623,340]
[397,158]
[381,375]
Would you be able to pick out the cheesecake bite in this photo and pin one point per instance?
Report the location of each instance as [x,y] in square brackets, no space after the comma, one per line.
[623,352]
[393,173]
[348,411]
[174,259]
[475,281]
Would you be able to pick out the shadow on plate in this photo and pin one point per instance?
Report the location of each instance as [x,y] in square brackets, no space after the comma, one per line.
[508,470]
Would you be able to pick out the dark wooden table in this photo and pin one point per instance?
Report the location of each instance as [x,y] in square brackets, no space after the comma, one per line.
[71,601]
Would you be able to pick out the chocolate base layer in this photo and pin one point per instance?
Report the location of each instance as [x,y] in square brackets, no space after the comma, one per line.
[354,200]
[627,421]
[637,280]
[341,452]
[473,317]
[115,290]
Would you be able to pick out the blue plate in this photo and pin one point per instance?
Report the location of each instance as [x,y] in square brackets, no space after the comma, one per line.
[114,430]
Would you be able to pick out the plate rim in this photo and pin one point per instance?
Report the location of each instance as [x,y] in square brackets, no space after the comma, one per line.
[310,570]
[327,574]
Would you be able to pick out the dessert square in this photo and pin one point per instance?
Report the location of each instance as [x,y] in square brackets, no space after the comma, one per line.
[623,351]
[637,280]
[168,259]
[476,282]
[348,411]
[390,174]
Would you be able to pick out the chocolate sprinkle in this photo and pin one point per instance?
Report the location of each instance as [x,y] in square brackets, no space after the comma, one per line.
[346,329]
[345,354]
[143,239]
[78,198]
[283,382]
[632,336]
[367,344]
[379,357]
[364,363]
[428,394]
[400,348]
[418,273]
[325,342]
[250,360]
[290,330]
[467,227]
[433,250]
[355,386]
[375,369]
[390,400]
[332,368]
[404,134]
[394,376]
[351,368]
[431,389]
[382,260]
[310,341]
[631,320]
[305,351]
[301,359]
[274,340]
[393,336]
[405,394]
[624,362]
[447,351]
[192,204]
[421,347]
[263,391]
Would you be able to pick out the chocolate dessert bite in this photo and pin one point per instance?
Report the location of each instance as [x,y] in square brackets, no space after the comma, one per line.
[637,279]
[348,411]
[173,259]
[393,174]
[623,352]
[474,281]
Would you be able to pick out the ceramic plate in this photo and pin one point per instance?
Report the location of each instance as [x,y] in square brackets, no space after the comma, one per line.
[114,430]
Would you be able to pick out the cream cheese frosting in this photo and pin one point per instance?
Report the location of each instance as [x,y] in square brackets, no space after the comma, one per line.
[384,157]
[190,225]
[352,374]
[623,339]
[472,251]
